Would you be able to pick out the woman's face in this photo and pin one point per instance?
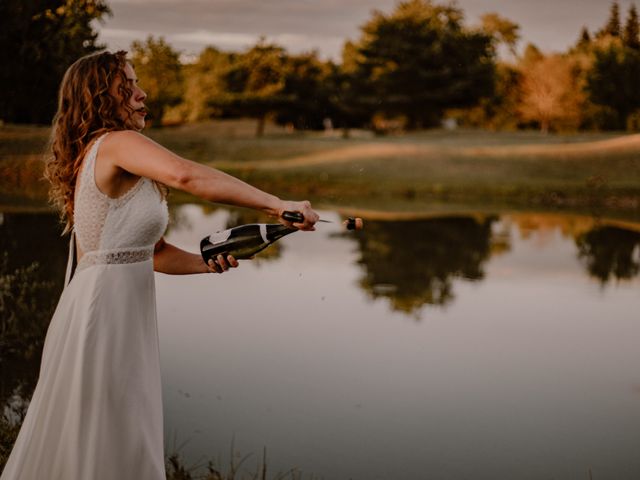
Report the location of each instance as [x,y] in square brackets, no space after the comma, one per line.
[136,101]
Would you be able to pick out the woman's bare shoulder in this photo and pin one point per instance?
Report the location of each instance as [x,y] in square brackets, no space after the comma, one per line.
[125,143]
[138,154]
[118,138]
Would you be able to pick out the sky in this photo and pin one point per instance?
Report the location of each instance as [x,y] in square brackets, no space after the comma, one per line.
[324,25]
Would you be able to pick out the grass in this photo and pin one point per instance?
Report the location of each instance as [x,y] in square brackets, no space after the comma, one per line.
[176,469]
[237,470]
[583,171]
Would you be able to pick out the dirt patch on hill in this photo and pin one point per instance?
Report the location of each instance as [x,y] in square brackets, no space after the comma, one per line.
[625,144]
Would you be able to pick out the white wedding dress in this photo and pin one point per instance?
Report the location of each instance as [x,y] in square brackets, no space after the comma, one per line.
[96,412]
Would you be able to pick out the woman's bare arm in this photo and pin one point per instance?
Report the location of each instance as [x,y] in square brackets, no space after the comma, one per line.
[139,155]
[172,260]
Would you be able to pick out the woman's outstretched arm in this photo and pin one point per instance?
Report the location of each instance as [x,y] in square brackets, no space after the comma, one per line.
[139,155]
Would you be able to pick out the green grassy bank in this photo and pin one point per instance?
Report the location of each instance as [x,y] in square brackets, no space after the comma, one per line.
[455,168]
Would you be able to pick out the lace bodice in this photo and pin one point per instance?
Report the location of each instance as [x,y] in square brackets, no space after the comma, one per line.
[116,230]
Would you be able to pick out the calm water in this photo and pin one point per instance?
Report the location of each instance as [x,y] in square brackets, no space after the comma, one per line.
[466,346]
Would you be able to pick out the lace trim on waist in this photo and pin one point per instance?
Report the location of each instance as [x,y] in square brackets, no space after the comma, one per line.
[115,256]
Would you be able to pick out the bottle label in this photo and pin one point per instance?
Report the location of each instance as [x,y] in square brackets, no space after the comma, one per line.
[219,237]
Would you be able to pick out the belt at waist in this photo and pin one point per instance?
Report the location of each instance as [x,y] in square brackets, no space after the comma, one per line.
[116,256]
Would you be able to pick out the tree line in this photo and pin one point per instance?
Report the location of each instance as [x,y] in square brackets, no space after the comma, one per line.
[591,86]
[410,68]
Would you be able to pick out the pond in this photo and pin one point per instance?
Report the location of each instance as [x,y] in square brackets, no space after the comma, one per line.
[437,346]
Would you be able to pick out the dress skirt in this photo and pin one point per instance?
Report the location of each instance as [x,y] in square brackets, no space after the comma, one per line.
[96,412]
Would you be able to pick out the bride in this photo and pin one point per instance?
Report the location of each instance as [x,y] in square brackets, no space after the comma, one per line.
[96,412]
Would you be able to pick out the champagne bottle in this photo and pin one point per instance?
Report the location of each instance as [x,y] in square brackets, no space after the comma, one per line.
[245,241]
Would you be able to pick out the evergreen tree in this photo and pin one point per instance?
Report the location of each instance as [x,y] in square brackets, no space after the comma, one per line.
[613,26]
[585,38]
[631,35]
[613,82]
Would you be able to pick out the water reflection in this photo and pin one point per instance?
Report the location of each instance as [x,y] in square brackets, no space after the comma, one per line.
[610,253]
[413,263]
[35,237]
[408,264]
[32,262]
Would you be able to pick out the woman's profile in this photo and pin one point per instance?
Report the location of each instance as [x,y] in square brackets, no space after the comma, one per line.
[96,412]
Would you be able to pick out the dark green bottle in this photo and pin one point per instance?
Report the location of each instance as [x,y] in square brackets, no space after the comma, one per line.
[243,241]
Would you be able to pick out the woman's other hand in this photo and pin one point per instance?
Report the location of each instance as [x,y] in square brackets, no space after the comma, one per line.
[221,264]
[304,207]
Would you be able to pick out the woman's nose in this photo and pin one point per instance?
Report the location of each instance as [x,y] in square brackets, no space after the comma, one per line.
[141,95]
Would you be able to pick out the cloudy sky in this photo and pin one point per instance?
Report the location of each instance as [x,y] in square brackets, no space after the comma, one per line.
[324,25]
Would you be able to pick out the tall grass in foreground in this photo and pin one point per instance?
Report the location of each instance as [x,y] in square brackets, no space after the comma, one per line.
[176,470]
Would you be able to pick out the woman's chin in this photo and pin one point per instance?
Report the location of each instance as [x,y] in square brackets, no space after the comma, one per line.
[139,124]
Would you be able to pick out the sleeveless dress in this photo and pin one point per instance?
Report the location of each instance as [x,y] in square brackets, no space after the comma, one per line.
[96,412]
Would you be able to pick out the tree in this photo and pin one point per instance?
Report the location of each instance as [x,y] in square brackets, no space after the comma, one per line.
[254,83]
[350,99]
[532,54]
[585,39]
[204,83]
[550,95]
[502,30]
[613,81]
[160,74]
[420,60]
[631,34]
[612,27]
[307,88]
[496,111]
[39,39]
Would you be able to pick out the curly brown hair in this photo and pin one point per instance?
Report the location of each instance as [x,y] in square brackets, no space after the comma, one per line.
[86,110]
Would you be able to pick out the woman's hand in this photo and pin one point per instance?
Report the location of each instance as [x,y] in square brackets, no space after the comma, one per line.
[170,259]
[221,264]
[310,217]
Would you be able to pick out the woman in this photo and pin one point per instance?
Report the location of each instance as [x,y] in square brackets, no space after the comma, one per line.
[96,413]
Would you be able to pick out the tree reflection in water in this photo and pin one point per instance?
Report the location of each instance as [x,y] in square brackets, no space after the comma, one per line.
[32,264]
[610,253]
[413,263]
[32,257]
